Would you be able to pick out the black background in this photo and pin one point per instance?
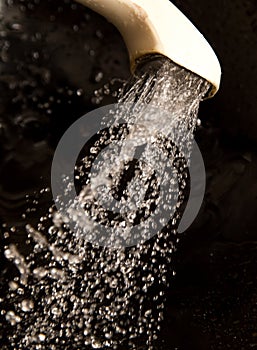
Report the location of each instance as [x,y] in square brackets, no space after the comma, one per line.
[212,302]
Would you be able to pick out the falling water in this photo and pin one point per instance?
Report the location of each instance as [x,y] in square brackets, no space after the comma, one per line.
[72,294]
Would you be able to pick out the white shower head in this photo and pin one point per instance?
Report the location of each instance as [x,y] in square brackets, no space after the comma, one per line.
[158,27]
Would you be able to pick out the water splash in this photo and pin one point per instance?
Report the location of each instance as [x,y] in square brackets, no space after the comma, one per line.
[71,294]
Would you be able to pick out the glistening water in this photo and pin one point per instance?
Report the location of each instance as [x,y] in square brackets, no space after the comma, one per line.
[71,294]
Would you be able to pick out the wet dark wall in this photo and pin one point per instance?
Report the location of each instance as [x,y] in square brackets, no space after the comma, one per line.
[215,290]
[231,28]
[50,67]
[54,55]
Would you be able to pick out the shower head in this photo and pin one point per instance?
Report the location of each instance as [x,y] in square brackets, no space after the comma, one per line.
[158,27]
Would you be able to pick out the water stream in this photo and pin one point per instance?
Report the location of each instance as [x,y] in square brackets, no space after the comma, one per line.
[71,294]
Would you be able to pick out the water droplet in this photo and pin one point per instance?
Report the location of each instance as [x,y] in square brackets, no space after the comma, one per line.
[96,344]
[13,285]
[99,34]
[42,337]
[99,77]
[27,305]
[56,311]
[16,26]
[12,318]
[80,92]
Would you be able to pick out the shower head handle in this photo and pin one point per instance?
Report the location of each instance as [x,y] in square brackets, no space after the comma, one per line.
[159,27]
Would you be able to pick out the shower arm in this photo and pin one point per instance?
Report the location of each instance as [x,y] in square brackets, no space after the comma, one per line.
[158,27]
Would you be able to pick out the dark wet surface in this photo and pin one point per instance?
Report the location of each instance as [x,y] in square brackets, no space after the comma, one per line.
[53,56]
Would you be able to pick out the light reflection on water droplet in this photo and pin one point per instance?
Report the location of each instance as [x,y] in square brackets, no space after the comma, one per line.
[41,337]
[27,305]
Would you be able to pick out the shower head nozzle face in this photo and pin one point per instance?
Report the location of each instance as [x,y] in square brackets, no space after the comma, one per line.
[158,27]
